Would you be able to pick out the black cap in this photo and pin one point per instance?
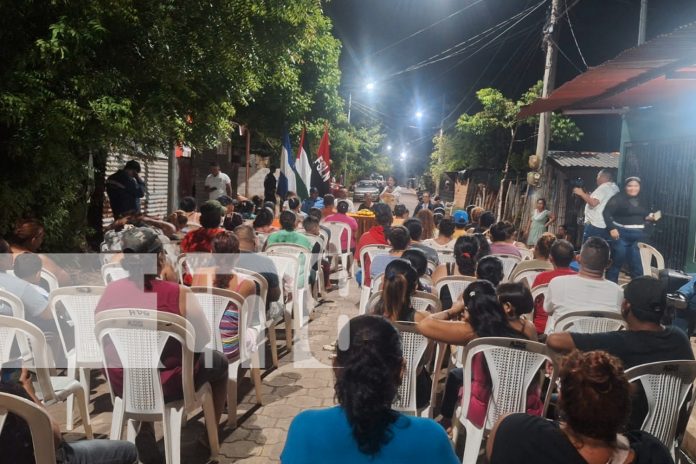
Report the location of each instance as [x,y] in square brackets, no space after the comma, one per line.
[646,294]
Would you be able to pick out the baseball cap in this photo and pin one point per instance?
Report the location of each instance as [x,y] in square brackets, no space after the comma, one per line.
[646,294]
[140,240]
[460,217]
[212,205]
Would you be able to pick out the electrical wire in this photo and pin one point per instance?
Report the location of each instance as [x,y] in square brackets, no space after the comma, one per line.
[575,39]
[420,31]
[516,19]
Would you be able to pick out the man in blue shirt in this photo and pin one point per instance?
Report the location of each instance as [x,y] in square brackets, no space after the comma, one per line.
[313,201]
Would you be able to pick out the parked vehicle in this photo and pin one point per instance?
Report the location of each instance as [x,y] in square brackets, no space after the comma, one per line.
[363,187]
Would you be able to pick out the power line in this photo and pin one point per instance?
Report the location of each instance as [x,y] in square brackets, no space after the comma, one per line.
[575,39]
[420,31]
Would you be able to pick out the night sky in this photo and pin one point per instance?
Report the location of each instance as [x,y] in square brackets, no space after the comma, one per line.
[371,30]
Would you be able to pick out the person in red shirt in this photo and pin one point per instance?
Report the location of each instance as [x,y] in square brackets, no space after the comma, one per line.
[201,239]
[377,235]
[562,254]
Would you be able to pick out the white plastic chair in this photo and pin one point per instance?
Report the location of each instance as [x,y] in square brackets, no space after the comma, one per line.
[214,301]
[666,385]
[13,302]
[368,252]
[32,343]
[526,253]
[288,270]
[138,337]
[113,271]
[414,346]
[528,270]
[50,279]
[455,284]
[335,248]
[80,304]
[589,322]
[509,263]
[513,364]
[539,290]
[647,253]
[37,420]
[182,267]
[318,286]
[262,284]
[304,259]
[446,256]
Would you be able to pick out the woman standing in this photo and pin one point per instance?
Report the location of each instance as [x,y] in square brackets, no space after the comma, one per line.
[391,195]
[625,216]
[539,223]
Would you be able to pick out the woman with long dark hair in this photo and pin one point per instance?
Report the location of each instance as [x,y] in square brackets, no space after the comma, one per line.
[625,216]
[465,252]
[399,285]
[364,428]
[594,400]
[478,313]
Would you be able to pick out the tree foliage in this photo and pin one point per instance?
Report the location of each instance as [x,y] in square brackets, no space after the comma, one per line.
[83,77]
[487,139]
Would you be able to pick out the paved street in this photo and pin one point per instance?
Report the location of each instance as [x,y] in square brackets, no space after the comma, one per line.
[260,435]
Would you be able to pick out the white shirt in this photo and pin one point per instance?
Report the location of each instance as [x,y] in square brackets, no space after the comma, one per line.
[593,215]
[576,293]
[219,183]
[396,192]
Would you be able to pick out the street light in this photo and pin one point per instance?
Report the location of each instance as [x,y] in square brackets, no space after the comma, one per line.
[370,86]
[403,156]
[389,147]
[419,114]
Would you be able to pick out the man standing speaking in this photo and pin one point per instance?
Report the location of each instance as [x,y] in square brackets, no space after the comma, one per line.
[595,203]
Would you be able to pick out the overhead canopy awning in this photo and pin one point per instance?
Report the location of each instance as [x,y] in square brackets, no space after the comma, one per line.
[656,72]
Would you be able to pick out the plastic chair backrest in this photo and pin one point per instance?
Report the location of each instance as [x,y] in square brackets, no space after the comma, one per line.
[540,290]
[182,267]
[37,420]
[647,253]
[414,346]
[376,285]
[337,230]
[513,364]
[13,302]
[138,337]
[215,301]
[509,263]
[32,344]
[258,279]
[528,270]
[113,271]
[590,322]
[422,301]
[526,253]
[80,304]
[304,256]
[666,385]
[446,256]
[370,251]
[455,284]
[50,279]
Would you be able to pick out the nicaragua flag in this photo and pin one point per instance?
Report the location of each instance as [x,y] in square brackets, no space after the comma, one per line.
[303,170]
[286,181]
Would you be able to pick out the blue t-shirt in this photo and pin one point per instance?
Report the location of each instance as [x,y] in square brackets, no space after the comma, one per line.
[324,435]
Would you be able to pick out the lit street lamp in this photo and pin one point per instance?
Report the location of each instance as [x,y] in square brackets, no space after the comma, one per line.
[419,114]
[389,147]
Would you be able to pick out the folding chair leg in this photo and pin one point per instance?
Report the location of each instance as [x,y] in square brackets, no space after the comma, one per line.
[117,420]
[233,374]
[84,412]
[472,446]
[70,402]
[273,341]
[440,350]
[171,426]
[211,424]
[256,376]
[287,315]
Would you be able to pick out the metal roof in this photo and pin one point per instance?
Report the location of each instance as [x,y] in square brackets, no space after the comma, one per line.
[585,159]
[658,71]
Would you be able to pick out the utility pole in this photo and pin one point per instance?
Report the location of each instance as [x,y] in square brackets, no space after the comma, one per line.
[642,25]
[550,40]
[345,159]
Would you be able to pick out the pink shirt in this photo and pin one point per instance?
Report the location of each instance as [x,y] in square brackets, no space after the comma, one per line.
[352,223]
[503,248]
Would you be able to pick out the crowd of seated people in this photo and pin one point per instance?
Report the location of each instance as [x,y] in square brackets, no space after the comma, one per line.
[422,250]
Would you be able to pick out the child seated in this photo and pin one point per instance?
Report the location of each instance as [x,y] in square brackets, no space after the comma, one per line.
[27,266]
